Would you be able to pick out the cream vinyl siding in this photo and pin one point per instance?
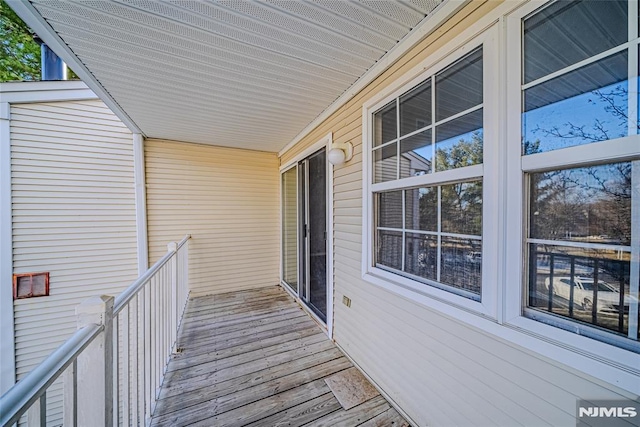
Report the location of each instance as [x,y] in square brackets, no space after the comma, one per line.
[228,200]
[440,371]
[73,215]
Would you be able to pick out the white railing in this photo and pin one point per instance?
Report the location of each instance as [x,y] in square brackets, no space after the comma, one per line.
[114,364]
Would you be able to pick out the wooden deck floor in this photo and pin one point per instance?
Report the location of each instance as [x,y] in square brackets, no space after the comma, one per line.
[255,358]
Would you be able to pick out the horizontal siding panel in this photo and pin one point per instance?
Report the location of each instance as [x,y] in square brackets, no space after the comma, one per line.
[228,200]
[32,136]
[73,215]
[71,117]
[73,124]
[70,110]
[70,157]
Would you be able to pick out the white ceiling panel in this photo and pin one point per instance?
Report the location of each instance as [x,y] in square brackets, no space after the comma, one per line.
[246,74]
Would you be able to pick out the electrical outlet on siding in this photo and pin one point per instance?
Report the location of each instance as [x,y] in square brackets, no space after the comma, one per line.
[346,300]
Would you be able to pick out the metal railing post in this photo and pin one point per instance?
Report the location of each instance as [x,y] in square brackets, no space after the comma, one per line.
[94,391]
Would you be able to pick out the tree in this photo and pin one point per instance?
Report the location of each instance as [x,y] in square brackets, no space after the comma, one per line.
[20,54]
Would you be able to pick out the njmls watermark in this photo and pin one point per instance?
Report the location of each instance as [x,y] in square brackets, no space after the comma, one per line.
[608,413]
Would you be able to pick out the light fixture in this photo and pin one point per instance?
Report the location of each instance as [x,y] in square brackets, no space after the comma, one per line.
[340,152]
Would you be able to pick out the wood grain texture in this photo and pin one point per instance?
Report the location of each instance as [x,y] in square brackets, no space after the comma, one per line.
[255,358]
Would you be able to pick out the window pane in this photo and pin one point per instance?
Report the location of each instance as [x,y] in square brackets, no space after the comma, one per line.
[415,108]
[557,36]
[459,87]
[389,209]
[461,263]
[416,153]
[580,107]
[422,255]
[385,163]
[289,228]
[389,245]
[459,142]
[461,208]
[591,204]
[587,285]
[421,212]
[384,124]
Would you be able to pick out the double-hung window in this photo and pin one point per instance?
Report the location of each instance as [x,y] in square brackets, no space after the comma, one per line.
[427,146]
[579,163]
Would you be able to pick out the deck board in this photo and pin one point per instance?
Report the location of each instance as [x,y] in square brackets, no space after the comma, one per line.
[255,358]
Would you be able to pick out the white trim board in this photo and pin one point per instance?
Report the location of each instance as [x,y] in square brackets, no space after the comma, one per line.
[141,202]
[7,355]
[45,91]
[440,15]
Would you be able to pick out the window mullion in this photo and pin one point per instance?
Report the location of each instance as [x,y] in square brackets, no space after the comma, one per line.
[634,274]
[439,253]
[433,123]
[398,138]
[632,86]
[632,90]
[404,229]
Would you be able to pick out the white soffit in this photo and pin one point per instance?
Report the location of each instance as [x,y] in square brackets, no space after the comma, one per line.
[243,74]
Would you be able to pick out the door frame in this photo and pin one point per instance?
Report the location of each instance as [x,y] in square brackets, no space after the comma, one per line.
[318,145]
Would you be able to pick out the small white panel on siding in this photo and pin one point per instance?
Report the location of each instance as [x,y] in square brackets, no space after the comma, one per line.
[73,213]
[228,200]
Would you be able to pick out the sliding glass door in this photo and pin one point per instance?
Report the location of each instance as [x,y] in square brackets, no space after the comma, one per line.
[304,231]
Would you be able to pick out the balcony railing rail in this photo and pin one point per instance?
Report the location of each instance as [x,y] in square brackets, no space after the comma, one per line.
[114,364]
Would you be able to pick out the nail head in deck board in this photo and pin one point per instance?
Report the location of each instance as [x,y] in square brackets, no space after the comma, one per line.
[351,388]
[251,359]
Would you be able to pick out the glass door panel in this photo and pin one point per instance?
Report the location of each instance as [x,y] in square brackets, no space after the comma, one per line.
[317,233]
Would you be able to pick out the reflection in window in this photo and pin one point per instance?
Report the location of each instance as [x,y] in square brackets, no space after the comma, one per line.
[579,244]
[385,163]
[415,154]
[415,108]
[459,142]
[442,234]
[461,208]
[588,205]
[583,104]
[555,37]
[459,87]
[421,210]
[455,142]
[389,249]
[586,285]
[389,208]
[384,124]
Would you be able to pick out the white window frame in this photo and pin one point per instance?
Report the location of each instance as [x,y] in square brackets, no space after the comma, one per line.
[583,351]
[590,358]
[487,171]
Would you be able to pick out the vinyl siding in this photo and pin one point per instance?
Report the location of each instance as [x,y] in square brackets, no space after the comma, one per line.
[228,200]
[73,215]
[440,371]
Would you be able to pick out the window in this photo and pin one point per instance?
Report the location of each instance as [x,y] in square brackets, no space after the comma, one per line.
[426,153]
[580,160]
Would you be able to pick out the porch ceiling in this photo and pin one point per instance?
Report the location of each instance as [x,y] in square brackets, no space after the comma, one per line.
[243,74]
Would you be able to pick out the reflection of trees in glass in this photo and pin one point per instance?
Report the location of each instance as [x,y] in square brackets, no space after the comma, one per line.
[464,153]
[614,101]
[589,204]
[592,203]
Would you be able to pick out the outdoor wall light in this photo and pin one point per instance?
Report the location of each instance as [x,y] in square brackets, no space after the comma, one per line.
[340,152]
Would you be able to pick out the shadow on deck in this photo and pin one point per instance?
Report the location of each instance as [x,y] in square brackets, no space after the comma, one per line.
[256,358]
